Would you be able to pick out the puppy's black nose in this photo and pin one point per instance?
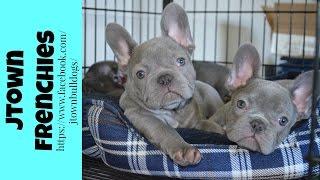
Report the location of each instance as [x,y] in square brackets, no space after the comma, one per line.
[257,126]
[165,79]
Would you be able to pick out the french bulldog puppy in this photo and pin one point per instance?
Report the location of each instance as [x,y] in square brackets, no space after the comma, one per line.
[161,92]
[261,112]
[215,75]
[103,77]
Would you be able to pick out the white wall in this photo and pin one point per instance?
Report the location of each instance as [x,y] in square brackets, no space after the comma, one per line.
[205,27]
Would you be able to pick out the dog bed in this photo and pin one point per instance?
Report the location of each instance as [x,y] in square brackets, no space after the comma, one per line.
[107,134]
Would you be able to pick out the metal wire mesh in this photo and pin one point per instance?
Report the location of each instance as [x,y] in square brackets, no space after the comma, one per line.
[218,28]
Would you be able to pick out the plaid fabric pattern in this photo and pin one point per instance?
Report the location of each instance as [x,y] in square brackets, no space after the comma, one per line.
[107,134]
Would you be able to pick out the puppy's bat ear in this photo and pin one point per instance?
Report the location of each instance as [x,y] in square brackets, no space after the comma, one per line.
[121,44]
[301,93]
[246,65]
[174,23]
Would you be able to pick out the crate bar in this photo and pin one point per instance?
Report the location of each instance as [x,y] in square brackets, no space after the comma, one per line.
[290,28]
[140,24]
[115,20]
[239,33]
[148,19]
[132,19]
[276,55]
[155,19]
[249,12]
[120,10]
[204,33]
[116,10]
[85,36]
[264,40]
[124,14]
[216,33]
[311,157]
[304,32]
[251,29]
[95,32]
[227,38]
[194,26]
[105,37]
[209,12]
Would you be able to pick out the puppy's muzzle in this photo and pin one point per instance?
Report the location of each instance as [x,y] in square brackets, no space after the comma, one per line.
[165,79]
[257,126]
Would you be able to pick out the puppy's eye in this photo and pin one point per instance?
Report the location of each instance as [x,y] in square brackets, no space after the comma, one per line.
[140,74]
[241,104]
[181,61]
[283,121]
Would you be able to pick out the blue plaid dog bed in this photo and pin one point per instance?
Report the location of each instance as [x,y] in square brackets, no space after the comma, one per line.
[107,134]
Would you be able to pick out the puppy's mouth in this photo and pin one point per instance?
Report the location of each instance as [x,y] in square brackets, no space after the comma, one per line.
[173,100]
[250,142]
[172,91]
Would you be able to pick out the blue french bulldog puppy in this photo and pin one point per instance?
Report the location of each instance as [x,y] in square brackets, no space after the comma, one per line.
[161,92]
[261,113]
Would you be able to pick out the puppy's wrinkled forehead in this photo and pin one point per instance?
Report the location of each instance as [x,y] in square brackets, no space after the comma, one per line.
[266,95]
[162,49]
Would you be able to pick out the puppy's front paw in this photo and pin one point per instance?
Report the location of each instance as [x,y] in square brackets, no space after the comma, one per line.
[210,126]
[187,156]
[221,131]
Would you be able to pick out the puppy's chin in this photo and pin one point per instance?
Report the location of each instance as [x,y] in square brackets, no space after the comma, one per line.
[169,99]
[267,144]
[176,105]
[249,143]
[254,143]
[171,104]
